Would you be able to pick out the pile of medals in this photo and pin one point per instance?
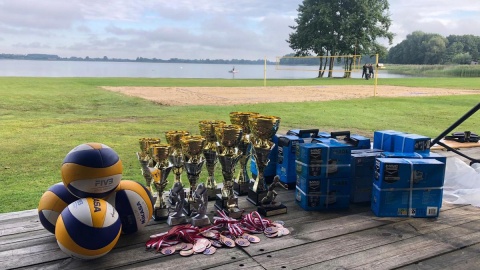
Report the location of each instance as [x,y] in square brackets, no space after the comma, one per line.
[225,231]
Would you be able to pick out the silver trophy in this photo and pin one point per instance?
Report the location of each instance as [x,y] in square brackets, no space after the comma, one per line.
[146,161]
[177,198]
[201,197]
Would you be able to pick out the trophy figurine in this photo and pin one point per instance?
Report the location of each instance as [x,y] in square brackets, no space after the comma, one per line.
[193,160]
[263,129]
[201,197]
[146,161]
[268,206]
[207,130]
[177,197]
[228,137]
[160,153]
[241,182]
[176,157]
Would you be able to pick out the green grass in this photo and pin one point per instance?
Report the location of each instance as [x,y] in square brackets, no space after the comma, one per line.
[42,119]
[462,71]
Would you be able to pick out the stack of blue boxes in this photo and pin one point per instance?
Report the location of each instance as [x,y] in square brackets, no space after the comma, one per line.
[408,179]
[323,175]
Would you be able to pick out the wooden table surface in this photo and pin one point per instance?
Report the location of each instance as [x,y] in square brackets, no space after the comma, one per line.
[349,239]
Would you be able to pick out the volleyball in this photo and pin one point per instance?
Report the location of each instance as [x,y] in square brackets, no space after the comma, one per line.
[88,228]
[91,170]
[52,203]
[134,204]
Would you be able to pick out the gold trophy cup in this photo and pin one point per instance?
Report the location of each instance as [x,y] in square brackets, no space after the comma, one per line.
[228,137]
[160,154]
[207,130]
[146,161]
[193,160]
[241,182]
[263,128]
[176,157]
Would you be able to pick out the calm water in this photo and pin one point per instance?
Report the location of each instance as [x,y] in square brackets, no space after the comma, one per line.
[26,68]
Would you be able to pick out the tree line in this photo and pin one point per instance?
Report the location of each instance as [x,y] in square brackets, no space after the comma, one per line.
[430,49]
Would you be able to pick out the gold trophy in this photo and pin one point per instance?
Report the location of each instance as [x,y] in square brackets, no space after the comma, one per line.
[146,161]
[263,128]
[228,137]
[207,130]
[160,154]
[193,160]
[241,183]
[176,157]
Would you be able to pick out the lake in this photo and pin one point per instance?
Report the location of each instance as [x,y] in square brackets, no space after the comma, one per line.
[31,68]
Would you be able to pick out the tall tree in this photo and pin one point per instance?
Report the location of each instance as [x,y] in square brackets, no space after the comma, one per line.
[340,27]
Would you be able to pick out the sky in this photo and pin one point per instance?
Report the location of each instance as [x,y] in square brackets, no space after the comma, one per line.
[194,29]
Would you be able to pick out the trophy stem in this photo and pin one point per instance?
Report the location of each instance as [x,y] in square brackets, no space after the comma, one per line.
[160,176]
[146,173]
[227,189]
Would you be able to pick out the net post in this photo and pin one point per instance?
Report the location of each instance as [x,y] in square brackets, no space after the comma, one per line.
[265,72]
[376,75]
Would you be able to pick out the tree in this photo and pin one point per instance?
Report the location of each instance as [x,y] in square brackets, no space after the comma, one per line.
[340,27]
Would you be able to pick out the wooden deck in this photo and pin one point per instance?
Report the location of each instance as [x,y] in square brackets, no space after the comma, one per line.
[352,239]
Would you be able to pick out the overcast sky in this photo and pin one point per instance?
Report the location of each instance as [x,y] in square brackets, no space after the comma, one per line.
[193,29]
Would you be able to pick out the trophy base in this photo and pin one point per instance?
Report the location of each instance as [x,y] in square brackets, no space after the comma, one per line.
[229,206]
[212,193]
[172,221]
[272,210]
[160,214]
[256,197]
[190,207]
[240,189]
[200,222]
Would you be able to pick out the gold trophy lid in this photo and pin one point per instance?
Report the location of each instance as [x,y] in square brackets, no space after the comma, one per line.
[241,118]
[229,135]
[173,137]
[192,145]
[160,152]
[145,143]
[264,126]
[207,129]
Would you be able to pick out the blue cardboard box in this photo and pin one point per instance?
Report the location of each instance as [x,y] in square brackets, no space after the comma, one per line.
[287,147]
[362,169]
[329,170]
[335,194]
[411,143]
[421,202]
[431,155]
[326,152]
[406,173]
[324,186]
[303,133]
[384,139]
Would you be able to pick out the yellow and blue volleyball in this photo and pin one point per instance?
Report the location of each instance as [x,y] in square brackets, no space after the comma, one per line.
[91,170]
[134,204]
[88,228]
[52,203]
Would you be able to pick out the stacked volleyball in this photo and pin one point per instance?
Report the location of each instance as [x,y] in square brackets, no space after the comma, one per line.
[92,206]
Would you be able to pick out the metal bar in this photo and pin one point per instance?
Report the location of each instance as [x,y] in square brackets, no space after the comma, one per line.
[454,125]
[457,152]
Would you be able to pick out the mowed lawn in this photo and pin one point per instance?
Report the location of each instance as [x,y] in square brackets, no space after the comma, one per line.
[42,119]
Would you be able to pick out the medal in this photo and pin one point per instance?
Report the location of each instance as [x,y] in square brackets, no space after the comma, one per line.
[210,251]
[186,253]
[168,250]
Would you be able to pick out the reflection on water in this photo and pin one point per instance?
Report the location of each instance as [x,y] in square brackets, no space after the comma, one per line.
[27,68]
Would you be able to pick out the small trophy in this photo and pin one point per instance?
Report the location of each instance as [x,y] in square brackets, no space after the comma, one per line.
[177,197]
[263,129]
[192,148]
[146,160]
[241,183]
[201,197]
[176,157]
[207,130]
[160,153]
[228,137]
[268,206]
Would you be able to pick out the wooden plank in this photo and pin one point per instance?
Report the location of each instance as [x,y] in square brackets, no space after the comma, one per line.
[455,145]
[249,264]
[411,250]
[463,259]
[360,243]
